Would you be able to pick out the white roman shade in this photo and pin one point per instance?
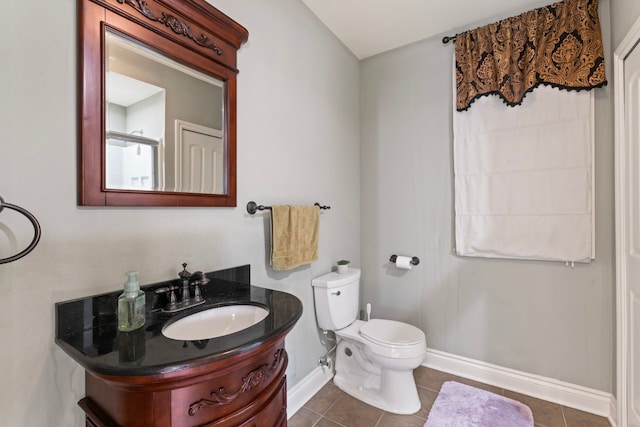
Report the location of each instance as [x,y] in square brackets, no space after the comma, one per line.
[524,177]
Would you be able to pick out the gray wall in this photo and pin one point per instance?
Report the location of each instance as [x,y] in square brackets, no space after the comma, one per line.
[624,14]
[537,317]
[298,142]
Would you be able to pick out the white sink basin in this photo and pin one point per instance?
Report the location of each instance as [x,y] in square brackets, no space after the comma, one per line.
[215,322]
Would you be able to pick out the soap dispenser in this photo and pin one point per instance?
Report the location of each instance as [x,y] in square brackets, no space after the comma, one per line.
[131,305]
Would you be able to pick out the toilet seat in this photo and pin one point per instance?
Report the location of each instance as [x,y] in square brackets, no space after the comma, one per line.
[414,346]
[390,332]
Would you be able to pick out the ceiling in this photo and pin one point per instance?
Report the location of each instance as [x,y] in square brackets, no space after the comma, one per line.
[369,27]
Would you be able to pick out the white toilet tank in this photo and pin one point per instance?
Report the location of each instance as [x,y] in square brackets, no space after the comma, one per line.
[337,299]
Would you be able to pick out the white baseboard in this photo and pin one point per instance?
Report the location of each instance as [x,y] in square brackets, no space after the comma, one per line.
[552,390]
[304,389]
[613,412]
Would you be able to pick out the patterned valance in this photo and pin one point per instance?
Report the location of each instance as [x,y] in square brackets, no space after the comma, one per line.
[558,45]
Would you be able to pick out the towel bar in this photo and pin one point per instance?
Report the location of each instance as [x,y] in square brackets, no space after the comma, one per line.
[253,207]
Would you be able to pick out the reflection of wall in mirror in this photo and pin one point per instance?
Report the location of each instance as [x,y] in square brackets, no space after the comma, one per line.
[142,117]
[187,98]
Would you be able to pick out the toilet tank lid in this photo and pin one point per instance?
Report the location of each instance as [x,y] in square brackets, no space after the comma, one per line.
[335,280]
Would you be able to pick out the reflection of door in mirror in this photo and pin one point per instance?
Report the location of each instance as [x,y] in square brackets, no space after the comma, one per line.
[199,159]
[145,91]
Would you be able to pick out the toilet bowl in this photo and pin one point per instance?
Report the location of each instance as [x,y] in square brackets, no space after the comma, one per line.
[375,359]
[377,371]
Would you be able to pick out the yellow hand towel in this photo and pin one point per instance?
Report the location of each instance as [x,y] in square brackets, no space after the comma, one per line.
[294,236]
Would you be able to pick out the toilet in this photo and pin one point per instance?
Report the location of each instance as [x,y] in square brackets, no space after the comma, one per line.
[375,359]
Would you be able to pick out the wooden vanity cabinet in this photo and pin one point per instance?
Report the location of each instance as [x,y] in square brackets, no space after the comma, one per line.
[248,389]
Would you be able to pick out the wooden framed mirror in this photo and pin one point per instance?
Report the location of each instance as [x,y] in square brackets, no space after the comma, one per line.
[157,100]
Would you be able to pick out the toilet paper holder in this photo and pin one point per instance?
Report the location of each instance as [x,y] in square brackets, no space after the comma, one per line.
[414,259]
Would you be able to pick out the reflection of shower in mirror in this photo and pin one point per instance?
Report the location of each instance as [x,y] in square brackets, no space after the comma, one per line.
[141,133]
[132,163]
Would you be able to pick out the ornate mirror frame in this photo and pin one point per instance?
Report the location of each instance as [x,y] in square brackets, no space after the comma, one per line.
[191,32]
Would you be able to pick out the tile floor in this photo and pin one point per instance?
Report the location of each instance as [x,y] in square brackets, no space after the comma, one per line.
[331,407]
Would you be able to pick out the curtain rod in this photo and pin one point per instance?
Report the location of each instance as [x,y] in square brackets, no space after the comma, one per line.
[128,137]
[447,39]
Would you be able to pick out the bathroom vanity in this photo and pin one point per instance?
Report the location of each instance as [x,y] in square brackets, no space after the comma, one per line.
[142,378]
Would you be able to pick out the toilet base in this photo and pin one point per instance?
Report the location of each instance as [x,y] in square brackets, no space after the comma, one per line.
[393,391]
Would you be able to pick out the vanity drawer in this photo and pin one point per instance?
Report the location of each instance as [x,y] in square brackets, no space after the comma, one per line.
[230,399]
[274,413]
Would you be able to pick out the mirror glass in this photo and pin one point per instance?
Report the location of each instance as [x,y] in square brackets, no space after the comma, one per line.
[163,123]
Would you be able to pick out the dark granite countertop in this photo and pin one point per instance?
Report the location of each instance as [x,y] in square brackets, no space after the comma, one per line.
[87,329]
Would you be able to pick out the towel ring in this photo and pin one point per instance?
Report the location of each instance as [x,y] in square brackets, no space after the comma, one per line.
[36,227]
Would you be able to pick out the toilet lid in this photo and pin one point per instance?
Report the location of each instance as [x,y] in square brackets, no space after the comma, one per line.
[392,332]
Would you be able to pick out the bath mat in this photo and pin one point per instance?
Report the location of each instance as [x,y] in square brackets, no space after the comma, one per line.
[460,405]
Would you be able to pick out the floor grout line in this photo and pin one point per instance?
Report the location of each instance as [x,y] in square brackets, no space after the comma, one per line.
[379,419]
[331,406]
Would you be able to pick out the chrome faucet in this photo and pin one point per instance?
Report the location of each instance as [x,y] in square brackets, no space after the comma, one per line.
[195,279]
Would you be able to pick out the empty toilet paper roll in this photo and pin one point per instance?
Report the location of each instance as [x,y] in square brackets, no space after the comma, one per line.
[403,262]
